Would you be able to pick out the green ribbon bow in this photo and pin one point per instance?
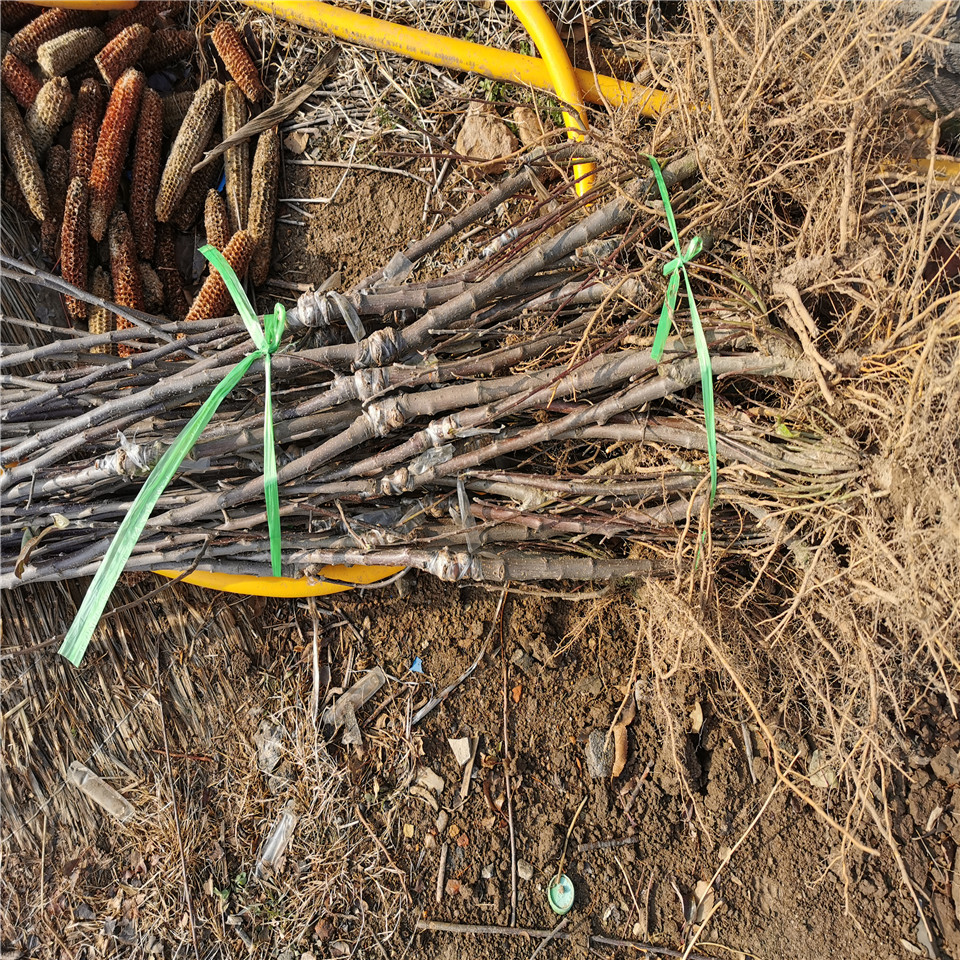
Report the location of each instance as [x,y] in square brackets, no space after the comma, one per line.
[267,340]
[673,271]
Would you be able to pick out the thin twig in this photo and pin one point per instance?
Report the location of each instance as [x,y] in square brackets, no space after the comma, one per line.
[553,935]
[440,926]
[386,853]
[506,769]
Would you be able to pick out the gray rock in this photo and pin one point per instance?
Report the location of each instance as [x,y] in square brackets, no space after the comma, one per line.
[946,764]
[600,755]
[524,870]
[524,661]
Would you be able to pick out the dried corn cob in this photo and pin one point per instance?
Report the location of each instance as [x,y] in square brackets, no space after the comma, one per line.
[263,202]
[49,112]
[122,52]
[112,149]
[237,60]
[100,319]
[175,107]
[69,50]
[167,46]
[86,127]
[51,23]
[174,299]
[236,160]
[215,220]
[146,172]
[58,179]
[188,147]
[152,288]
[23,158]
[74,244]
[213,300]
[18,79]
[145,13]
[13,195]
[125,271]
[14,15]
[190,207]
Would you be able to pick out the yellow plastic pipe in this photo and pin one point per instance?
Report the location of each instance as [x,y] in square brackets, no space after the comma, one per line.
[562,76]
[456,54]
[286,587]
[85,4]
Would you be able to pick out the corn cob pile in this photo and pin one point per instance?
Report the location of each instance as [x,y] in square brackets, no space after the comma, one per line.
[101,158]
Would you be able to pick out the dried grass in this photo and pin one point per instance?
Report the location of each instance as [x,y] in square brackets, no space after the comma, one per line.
[208,659]
[837,636]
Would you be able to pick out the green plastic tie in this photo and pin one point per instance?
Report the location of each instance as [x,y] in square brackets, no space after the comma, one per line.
[673,270]
[266,339]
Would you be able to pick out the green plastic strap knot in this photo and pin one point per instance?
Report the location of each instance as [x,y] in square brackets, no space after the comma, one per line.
[266,339]
[673,270]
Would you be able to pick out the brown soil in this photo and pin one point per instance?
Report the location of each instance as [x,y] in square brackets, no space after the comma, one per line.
[788,890]
[371,216]
[791,888]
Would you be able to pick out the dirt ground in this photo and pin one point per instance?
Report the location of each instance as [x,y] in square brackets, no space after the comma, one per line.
[787,890]
[691,803]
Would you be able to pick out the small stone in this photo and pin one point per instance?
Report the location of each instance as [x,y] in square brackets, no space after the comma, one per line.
[600,755]
[454,831]
[442,820]
[524,661]
[488,871]
[408,830]
[430,842]
[84,912]
[453,887]
[524,870]
[484,139]
[946,764]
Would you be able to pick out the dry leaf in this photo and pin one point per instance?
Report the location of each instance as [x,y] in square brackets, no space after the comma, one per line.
[276,113]
[620,747]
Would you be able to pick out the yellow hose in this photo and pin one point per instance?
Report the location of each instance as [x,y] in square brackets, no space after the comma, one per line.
[286,587]
[85,4]
[456,54]
[944,169]
[564,80]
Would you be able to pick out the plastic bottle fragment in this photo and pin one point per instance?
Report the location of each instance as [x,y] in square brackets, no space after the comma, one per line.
[277,841]
[100,792]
